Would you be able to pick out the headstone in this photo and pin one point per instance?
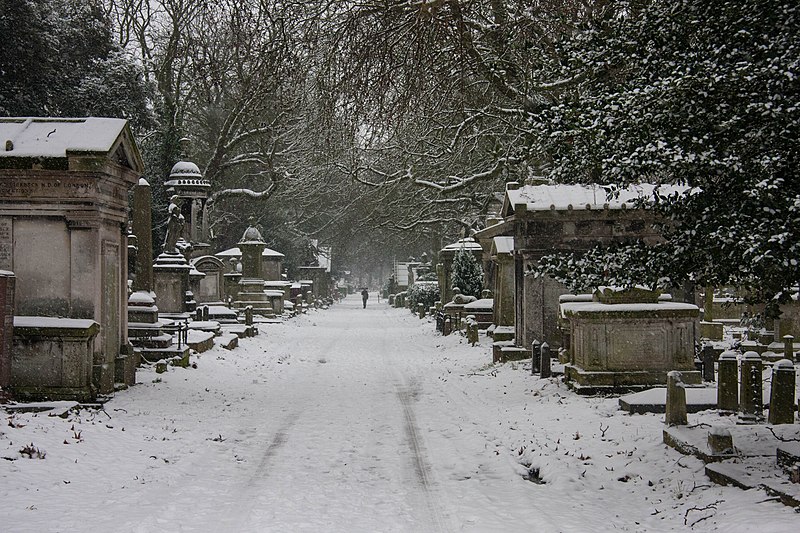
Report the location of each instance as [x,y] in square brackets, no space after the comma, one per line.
[421,310]
[727,388]
[707,355]
[750,388]
[544,362]
[676,400]
[720,442]
[781,400]
[248,315]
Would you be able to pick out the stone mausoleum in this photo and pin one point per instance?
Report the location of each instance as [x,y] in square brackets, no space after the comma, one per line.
[64,187]
[548,218]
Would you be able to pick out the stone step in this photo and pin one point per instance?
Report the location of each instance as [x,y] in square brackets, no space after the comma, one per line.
[153,355]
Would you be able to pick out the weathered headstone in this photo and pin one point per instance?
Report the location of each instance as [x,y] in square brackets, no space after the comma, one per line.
[781,400]
[750,389]
[707,355]
[720,442]
[676,400]
[727,388]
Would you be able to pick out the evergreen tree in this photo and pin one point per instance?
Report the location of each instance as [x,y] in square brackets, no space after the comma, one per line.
[59,58]
[467,273]
[700,93]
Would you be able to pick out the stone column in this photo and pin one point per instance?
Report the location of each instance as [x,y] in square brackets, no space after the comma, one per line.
[142,227]
[7,280]
[676,400]
[750,387]
[781,399]
[727,394]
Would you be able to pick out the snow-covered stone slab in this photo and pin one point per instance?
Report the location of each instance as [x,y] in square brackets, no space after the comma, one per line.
[56,408]
[200,341]
[654,400]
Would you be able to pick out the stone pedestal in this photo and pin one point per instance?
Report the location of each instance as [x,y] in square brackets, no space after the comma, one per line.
[629,340]
[251,284]
[171,283]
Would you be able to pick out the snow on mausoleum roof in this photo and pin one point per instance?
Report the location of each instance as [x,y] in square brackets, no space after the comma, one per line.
[55,137]
[563,197]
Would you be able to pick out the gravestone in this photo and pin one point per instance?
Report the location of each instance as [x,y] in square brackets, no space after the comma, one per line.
[64,187]
[782,393]
[676,400]
[750,389]
[210,286]
[728,386]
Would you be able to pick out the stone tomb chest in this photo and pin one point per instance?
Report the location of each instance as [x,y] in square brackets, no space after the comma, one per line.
[629,339]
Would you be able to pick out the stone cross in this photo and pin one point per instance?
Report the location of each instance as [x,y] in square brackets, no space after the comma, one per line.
[781,398]
[676,400]
[727,394]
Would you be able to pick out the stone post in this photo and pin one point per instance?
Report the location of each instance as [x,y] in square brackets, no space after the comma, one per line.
[421,310]
[142,226]
[248,315]
[781,398]
[727,394]
[750,400]
[788,347]
[535,351]
[198,314]
[7,280]
[676,400]
[708,362]
[544,362]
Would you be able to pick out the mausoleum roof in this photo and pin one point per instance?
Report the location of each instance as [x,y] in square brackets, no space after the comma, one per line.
[54,137]
[566,197]
[60,138]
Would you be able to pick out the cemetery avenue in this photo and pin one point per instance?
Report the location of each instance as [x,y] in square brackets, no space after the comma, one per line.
[351,419]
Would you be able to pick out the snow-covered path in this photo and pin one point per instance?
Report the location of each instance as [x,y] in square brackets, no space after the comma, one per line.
[357,420]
